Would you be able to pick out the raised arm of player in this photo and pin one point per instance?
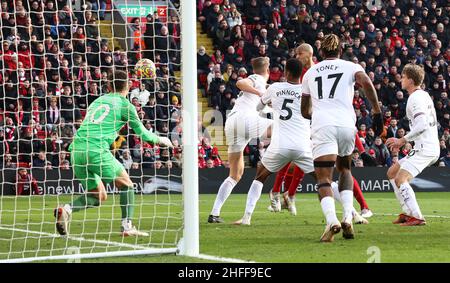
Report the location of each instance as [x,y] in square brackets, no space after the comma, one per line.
[248,85]
[265,99]
[135,123]
[419,125]
[364,81]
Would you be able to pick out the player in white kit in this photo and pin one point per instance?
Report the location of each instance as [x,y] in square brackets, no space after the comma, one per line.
[423,131]
[291,134]
[328,88]
[243,124]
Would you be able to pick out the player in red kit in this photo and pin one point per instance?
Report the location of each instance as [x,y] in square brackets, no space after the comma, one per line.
[26,184]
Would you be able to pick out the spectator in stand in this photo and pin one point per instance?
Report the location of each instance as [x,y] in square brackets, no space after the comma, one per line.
[26,184]
[215,157]
[141,93]
[126,159]
[148,159]
[41,161]
[201,158]
[203,60]
[53,114]
[381,151]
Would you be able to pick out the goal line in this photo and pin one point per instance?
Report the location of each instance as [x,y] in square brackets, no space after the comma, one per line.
[137,249]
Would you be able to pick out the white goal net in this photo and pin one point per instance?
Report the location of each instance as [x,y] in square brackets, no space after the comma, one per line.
[56,58]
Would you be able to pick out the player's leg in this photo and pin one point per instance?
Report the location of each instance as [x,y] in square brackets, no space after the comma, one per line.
[346,145]
[392,174]
[280,178]
[239,130]
[325,150]
[357,218]
[236,140]
[407,193]
[272,161]
[343,165]
[127,201]
[297,178]
[236,161]
[285,186]
[357,193]
[410,167]
[111,170]
[289,195]
[91,182]
[274,194]
[324,172]
[254,194]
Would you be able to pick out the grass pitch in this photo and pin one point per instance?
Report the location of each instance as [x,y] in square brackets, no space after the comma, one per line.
[273,237]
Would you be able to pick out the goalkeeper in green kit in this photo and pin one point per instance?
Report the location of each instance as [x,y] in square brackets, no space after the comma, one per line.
[92,161]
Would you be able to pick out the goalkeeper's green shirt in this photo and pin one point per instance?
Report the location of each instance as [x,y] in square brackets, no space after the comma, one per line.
[104,118]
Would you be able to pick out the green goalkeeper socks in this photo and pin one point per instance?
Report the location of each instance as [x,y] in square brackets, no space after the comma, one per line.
[84,202]
[127,203]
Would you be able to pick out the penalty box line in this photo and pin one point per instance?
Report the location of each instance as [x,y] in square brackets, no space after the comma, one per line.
[426,216]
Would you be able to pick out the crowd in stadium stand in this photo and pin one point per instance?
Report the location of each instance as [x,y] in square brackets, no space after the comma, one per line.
[54,63]
[381,38]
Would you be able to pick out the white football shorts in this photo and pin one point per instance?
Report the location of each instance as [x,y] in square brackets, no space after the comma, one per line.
[333,140]
[276,158]
[416,161]
[240,128]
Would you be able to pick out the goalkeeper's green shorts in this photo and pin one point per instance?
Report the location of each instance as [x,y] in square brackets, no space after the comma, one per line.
[93,167]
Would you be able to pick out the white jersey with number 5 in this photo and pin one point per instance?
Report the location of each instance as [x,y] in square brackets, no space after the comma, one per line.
[290,130]
[330,84]
[249,101]
[420,103]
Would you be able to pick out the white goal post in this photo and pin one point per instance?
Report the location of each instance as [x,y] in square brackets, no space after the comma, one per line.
[167,210]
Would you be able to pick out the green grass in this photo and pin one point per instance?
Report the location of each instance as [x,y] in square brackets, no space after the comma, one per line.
[271,238]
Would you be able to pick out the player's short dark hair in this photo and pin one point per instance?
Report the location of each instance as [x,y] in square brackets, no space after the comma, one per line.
[118,81]
[294,67]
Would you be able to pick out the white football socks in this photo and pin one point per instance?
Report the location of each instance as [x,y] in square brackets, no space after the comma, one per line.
[337,197]
[399,197]
[409,197]
[347,204]
[336,194]
[253,196]
[224,192]
[68,208]
[329,210]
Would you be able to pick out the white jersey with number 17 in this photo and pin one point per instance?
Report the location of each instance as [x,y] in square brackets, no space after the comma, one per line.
[330,84]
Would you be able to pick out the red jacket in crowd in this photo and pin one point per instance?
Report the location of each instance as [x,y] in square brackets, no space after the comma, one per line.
[26,184]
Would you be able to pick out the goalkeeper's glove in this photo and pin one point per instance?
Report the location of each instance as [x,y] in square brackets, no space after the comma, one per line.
[377,123]
[163,141]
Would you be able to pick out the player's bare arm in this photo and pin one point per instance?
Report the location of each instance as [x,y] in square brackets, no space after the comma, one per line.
[247,85]
[306,107]
[364,81]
